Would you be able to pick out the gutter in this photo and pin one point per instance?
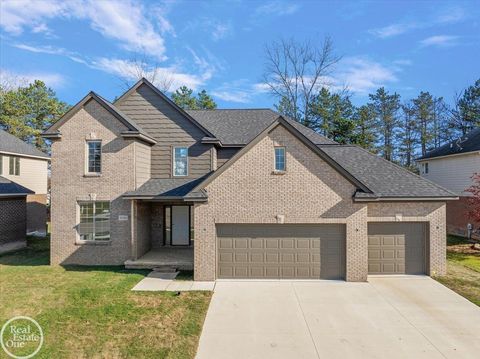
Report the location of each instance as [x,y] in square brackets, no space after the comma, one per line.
[405,199]
[450,155]
[140,136]
[165,198]
[46,158]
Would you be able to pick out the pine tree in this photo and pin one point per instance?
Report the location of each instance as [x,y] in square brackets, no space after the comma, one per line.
[385,107]
[205,101]
[364,133]
[184,98]
[423,107]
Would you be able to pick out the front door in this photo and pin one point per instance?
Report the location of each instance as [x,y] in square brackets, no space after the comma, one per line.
[180,225]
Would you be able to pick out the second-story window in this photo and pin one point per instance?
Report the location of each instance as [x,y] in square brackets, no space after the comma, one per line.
[14,166]
[94,160]
[180,161]
[280,159]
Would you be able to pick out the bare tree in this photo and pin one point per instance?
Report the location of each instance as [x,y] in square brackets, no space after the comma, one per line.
[295,71]
[139,66]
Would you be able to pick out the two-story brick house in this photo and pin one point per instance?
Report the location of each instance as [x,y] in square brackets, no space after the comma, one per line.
[232,194]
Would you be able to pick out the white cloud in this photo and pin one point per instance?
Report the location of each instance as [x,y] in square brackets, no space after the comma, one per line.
[51,50]
[361,75]
[446,16]
[278,8]
[129,70]
[16,79]
[440,41]
[236,96]
[239,91]
[392,30]
[122,20]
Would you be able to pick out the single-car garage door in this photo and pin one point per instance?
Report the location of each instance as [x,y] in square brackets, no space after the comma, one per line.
[396,248]
[281,251]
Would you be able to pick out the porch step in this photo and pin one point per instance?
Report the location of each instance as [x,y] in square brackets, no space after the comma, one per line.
[165,269]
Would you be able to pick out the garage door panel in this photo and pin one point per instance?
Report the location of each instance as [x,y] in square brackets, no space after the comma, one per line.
[396,248]
[281,251]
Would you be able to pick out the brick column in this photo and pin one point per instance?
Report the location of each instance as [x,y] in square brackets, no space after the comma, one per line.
[204,244]
[357,246]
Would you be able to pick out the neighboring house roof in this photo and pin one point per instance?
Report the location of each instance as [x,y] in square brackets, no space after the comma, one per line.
[134,130]
[240,126]
[385,179]
[12,144]
[465,144]
[168,189]
[10,188]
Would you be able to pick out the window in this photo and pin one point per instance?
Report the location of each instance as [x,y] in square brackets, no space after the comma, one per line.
[425,167]
[94,221]
[180,161]
[14,166]
[94,149]
[1,165]
[280,159]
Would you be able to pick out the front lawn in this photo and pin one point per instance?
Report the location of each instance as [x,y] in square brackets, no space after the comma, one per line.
[90,312]
[463,269]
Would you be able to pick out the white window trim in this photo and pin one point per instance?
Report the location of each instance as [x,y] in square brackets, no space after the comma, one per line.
[284,159]
[93,242]
[173,161]
[87,172]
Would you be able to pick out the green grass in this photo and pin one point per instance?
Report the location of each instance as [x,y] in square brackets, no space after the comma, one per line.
[463,269]
[91,311]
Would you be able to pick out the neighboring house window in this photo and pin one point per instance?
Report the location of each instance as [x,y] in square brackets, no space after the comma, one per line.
[279,158]
[180,161]
[94,149]
[94,221]
[425,167]
[1,165]
[14,166]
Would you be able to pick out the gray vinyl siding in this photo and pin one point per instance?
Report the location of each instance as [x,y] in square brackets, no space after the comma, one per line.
[142,163]
[224,154]
[170,128]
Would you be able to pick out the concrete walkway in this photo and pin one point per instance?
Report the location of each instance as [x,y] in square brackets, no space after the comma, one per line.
[388,317]
[158,281]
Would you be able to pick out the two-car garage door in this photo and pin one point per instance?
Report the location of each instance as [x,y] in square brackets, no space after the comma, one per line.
[281,251]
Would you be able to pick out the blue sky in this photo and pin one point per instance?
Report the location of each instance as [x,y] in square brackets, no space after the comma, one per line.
[76,46]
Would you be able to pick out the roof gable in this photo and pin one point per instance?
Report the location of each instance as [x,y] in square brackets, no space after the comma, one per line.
[11,144]
[145,82]
[133,129]
[280,121]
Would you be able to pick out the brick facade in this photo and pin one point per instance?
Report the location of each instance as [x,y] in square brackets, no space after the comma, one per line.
[310,191]
[70,184]
[37,213]
[12,219]
[458,219]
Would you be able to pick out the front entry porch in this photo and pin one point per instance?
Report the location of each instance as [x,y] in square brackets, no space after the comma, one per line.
[161,235]
[179,258]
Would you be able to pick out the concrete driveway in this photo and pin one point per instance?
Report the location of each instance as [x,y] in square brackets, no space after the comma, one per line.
[388,317]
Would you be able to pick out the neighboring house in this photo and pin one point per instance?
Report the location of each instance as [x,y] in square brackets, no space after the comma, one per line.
[233,194]
[27,166]
[452,166]
[13,215]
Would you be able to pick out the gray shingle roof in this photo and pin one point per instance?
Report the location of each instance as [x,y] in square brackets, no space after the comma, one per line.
[8,187]
[468,143]
[239,127]
[10,143]
[383,178]
[168,187]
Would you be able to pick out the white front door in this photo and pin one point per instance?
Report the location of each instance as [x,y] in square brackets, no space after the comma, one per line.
[180,225]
